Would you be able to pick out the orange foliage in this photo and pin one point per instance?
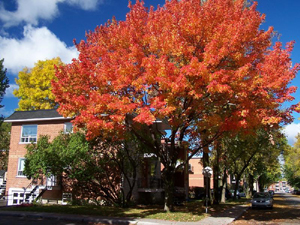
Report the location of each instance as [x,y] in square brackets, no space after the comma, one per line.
[206,65]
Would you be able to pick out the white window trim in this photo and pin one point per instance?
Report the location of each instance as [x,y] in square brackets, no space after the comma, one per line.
[13,190]
[21,142]
[65,128]
[19,161]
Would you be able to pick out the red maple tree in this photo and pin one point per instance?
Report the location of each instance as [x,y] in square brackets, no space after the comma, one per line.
[206,67]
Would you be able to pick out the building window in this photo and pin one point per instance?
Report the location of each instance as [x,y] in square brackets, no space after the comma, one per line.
[29,133]
[21,166]
[68,128]
[191,168]
[51,181]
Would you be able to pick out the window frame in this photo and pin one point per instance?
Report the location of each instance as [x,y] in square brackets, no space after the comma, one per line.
[29,137]
[65,128]
[20,172]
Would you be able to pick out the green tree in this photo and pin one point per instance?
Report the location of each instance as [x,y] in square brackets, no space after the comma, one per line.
[4,144]
[35,91]
[88,169]
[265,167]
[292,164]
[3,84]
[258,150]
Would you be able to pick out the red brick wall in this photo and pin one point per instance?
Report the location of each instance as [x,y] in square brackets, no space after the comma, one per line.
[196,177]
[17,150]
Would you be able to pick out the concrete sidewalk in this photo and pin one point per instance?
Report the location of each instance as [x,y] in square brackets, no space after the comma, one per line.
[223,218]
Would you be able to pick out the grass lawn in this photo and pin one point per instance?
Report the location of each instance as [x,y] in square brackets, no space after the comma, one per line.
[188,212]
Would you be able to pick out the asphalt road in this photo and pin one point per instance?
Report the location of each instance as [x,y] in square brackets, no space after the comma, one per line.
[11,220]
[16,220]
[286,211]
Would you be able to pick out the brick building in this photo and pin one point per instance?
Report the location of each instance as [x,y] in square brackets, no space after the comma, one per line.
[196,178]
[26,127]
[280,187]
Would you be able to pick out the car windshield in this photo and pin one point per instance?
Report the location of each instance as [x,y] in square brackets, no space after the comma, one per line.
[261,195]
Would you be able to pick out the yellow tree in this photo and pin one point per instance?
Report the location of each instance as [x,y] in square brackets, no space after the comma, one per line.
[35,90]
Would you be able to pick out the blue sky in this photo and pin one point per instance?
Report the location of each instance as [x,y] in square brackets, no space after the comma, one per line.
[32,30]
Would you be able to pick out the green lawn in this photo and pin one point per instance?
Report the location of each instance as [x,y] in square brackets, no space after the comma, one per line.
[190,211]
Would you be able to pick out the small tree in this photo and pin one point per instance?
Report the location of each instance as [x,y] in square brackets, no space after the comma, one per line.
[4,144]
[88,169]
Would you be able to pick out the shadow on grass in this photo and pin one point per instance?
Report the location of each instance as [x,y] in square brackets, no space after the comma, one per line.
[188,212]
[230,208]
[192,211]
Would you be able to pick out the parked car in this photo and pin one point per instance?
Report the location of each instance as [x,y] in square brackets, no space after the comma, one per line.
[237,194]
[228,194]
[197,192]
[262,200]
[242,194]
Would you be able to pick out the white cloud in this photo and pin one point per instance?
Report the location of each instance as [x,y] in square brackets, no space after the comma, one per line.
[85,4]
[31,11]
[37,44]
[5,112]
[291,131]
[9,91]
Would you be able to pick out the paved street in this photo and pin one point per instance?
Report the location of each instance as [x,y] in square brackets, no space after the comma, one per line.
[11,220]
[286,211]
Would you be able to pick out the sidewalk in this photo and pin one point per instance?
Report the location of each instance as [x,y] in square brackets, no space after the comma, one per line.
[223,218]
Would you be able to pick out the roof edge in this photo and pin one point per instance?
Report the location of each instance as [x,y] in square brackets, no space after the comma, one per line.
[37,119]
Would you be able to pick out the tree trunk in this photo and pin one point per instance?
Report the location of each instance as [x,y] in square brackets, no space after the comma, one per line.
[206,180]
[251,180]
[186,175]
[237,181]
[224,186]
[168,177]
[216,173]
[260,184]
[216,185]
